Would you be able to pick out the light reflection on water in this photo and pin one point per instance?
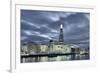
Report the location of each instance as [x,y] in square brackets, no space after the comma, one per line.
[58,58]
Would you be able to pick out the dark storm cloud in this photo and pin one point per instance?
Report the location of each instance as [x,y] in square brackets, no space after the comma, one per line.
[41,26]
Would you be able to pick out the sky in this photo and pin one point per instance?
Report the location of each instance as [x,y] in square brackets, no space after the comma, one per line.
[42,26]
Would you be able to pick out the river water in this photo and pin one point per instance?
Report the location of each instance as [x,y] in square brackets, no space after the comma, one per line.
[58,58]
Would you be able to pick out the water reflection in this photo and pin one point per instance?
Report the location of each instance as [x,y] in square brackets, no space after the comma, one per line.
[58,58]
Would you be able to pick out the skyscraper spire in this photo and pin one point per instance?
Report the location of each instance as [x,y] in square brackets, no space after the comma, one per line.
[61,40]
[61,26]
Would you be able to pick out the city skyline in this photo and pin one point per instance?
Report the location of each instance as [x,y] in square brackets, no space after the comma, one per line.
[42,26]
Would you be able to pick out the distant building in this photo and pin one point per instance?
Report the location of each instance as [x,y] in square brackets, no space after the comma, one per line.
[51,47]
[61,37]
[24,49]
[58,48]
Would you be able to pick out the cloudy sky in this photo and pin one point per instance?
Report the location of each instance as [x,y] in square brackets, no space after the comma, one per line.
[42,26]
